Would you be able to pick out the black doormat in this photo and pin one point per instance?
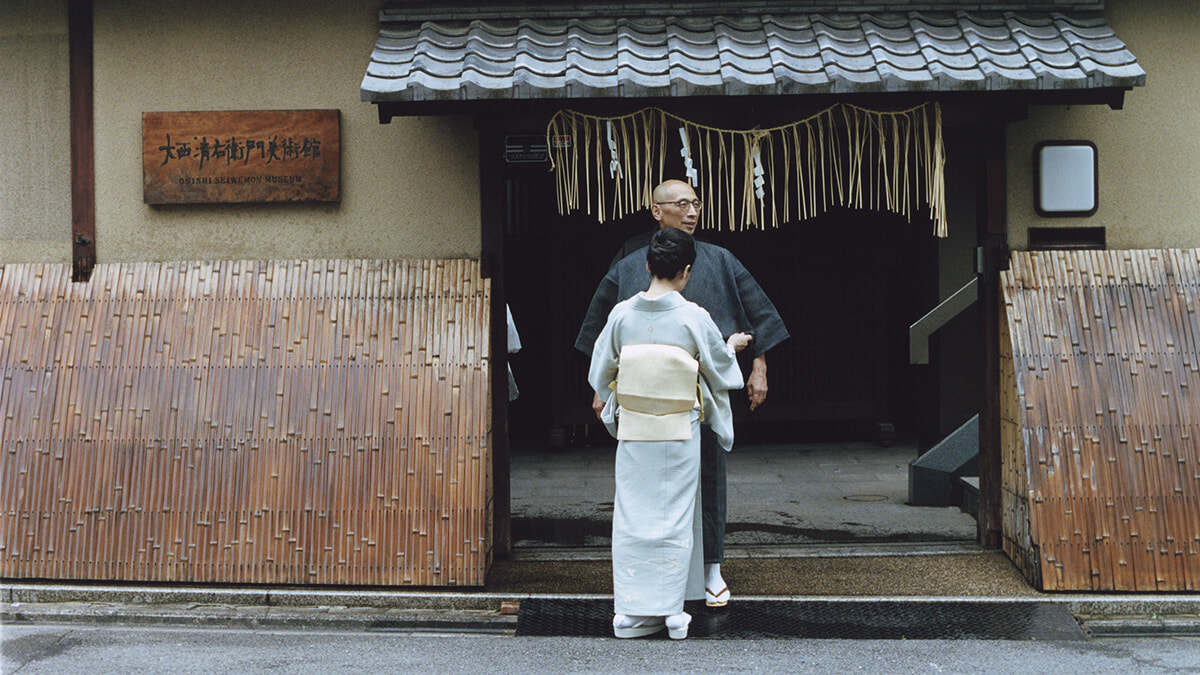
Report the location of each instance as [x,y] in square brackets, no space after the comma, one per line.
[833,619]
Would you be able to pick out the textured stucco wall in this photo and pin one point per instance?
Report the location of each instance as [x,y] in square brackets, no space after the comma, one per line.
[35,163]
[1149,152]
[409,188]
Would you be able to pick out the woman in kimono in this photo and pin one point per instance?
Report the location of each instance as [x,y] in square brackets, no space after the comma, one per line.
[661,365]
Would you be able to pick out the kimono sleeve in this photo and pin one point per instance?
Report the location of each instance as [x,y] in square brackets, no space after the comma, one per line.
[718,364]
[765,323]
[719,372]
[603,301]
[605,357]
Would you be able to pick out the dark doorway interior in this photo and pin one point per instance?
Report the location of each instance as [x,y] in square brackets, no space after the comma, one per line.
[848,284]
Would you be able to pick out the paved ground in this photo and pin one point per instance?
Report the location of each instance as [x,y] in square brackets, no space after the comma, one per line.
[56,649]
[778,494]
[809,571]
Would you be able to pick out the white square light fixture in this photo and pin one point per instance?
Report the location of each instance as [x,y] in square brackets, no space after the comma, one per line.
[1065,178]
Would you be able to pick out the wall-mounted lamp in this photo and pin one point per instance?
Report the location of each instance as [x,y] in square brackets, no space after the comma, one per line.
[1065,181]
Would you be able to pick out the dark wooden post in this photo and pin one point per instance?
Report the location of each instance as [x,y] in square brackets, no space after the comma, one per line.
[492,209]
[83,161]
[993,241]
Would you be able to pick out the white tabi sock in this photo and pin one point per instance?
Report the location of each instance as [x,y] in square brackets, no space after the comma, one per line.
[712,577]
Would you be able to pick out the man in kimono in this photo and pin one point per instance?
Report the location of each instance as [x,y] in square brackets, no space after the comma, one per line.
[720,284]
[659,361]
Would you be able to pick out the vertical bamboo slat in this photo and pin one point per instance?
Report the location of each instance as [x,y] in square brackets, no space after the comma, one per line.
[286,422]
[1101,461]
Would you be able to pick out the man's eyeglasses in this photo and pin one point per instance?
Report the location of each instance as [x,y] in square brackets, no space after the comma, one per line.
[682,204]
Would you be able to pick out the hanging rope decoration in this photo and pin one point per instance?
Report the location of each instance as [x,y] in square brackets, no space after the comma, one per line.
[842,156]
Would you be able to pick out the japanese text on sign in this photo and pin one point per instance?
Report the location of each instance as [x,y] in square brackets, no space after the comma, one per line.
[240,156]
[231,150]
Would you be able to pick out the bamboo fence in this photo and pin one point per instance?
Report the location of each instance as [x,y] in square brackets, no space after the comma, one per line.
[1101,410]
[298,422]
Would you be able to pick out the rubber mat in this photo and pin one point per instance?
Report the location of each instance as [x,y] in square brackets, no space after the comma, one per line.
[857,620]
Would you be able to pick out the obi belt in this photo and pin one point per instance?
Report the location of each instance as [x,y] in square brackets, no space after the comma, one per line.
[657,389]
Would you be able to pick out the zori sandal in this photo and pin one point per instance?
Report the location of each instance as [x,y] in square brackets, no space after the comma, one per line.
[636,626]
[677,625]
[718,599]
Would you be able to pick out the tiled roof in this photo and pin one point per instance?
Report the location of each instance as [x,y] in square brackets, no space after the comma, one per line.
[457,58]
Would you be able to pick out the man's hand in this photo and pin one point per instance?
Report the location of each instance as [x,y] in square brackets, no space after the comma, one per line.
[756,384]
[598,405]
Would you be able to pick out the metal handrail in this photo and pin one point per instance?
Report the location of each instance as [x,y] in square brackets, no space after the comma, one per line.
[920,332]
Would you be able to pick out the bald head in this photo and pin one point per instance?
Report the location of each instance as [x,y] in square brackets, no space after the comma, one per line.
[665,209]
[666,189]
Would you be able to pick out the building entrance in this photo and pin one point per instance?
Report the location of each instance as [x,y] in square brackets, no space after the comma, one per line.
[824,460]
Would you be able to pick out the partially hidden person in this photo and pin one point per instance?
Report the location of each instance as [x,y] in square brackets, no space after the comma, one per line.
[721,285]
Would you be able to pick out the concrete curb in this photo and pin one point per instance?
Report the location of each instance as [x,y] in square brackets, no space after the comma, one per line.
[251,597]
[439,611]
[1137,615]
[313,609]
[1139,626]
[233,616]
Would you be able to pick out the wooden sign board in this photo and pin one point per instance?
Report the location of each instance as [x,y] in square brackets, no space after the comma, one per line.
[233,156]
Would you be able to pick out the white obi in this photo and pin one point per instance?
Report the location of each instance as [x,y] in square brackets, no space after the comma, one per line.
[657,389]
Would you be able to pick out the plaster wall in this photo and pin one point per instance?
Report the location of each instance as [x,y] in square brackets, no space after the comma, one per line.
[35,163]
[409,189]
[1149,152]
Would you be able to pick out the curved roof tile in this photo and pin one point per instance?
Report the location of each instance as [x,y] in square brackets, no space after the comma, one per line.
[1053,45]
[499,58]
[907,47]
[952,62]
[1062,60]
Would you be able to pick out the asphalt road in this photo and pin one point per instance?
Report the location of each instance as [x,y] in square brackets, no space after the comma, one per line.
[95,650]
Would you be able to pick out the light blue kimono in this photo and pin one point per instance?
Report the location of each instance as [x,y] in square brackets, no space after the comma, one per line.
[657,557]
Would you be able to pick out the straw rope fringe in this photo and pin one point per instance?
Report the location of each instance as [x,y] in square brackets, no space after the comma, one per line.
[842,156]
[300,422]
